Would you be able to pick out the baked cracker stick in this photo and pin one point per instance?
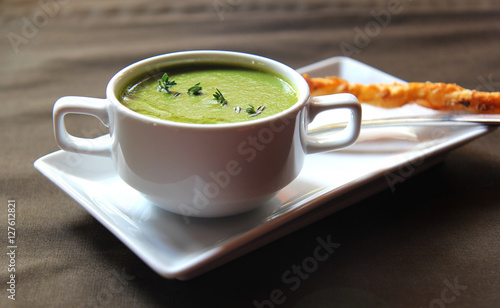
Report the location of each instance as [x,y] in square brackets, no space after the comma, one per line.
[439,96]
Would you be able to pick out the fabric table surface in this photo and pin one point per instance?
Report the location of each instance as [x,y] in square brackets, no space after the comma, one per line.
[432,242]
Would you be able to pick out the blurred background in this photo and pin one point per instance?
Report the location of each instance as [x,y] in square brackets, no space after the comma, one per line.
[51,48]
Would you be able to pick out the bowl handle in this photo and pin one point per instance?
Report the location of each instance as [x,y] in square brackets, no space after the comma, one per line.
[81,105]
[324,140]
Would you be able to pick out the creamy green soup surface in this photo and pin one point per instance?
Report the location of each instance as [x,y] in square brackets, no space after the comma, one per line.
[248,94]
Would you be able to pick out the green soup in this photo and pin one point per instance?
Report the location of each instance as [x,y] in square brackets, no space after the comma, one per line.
[240,95]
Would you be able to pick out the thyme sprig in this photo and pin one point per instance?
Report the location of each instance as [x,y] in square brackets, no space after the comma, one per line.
[165,84]
[254,112]
[195,90]
[250,109]
[220,98]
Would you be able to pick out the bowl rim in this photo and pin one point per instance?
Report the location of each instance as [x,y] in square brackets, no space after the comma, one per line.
[154,64]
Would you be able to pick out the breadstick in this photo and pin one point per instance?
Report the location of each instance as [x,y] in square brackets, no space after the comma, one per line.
[439,96]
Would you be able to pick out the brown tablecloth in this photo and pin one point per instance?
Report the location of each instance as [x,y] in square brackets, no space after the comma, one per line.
[432,242]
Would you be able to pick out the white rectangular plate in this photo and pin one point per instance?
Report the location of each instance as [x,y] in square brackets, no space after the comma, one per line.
[177,247]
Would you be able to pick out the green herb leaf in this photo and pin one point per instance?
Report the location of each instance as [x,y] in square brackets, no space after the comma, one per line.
[220,98]
[250,109]
[195,90]
[254,112]
[164,84]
